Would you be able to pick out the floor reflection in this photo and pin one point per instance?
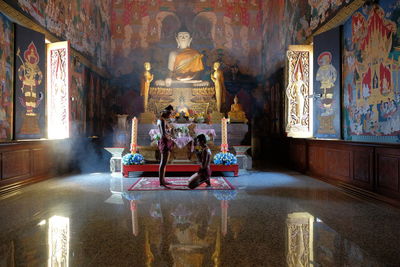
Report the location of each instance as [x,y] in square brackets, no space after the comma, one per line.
[185,233]
[271,220]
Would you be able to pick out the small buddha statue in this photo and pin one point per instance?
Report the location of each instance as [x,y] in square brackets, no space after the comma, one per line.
[237,113]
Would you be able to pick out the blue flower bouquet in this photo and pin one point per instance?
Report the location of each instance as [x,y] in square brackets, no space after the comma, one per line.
[225,159]
[133,159]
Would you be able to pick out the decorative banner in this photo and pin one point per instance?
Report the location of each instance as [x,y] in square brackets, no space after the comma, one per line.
[6,78]
[298,105]
[29,84]
[327,82]
[58,83]
[371,71]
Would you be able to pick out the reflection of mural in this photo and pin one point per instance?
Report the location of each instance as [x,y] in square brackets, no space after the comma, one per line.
[86,23]
[29,65]
[327,84]
[371,73]
[6,76]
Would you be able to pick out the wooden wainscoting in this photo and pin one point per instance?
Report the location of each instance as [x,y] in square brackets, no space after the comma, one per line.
[373,168]
[26,162]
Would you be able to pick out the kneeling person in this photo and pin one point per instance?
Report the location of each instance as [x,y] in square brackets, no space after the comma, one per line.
[204,173]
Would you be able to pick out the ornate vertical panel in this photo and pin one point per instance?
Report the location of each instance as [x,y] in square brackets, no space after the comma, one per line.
[58,83]
[327,82]
[299,88]
[29,84]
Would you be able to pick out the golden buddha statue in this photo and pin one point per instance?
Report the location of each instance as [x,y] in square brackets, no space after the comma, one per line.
[237,113]
[147,78]
[184,63]
[218,78]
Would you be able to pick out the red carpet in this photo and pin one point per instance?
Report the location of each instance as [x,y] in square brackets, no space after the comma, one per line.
[179,183]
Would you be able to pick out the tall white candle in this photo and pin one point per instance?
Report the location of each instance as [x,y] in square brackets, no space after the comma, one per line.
[134,135]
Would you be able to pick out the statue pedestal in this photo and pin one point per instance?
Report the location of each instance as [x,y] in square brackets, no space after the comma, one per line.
[147,117]
[216,117]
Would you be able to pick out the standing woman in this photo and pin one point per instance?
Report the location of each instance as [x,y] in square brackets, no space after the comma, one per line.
[165,144]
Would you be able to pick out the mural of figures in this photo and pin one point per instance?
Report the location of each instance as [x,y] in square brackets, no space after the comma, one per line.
[85,23]
[327,59]
[29,84]
[371,74]
[222,31]
[6,78]
[78,98]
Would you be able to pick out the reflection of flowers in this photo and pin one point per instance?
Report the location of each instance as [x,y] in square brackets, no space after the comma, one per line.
[133,159]
[225,159]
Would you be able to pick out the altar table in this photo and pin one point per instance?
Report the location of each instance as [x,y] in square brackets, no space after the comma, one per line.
[178,168]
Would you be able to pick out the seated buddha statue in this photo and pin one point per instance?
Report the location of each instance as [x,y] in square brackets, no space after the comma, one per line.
[237,113]
[185,63]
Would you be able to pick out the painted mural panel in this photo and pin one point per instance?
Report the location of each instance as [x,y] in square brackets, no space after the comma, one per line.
[372,74]
[6,78]
[85,23]
[327,82]
[78,98]
[29,84]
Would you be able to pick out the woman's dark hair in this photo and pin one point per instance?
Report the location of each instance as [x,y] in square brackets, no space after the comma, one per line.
[201,138]
[167,111]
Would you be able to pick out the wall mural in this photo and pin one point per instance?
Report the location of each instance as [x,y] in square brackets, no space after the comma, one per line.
[327,83]
[78,97]
[6,78]
[29,84]
[85,23]
[372,74]
[224,30]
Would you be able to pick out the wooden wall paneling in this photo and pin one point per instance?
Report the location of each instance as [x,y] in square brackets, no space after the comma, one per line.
[387,171]
[363,161]
[40,161]
[316,160]
[338,163]
[16,164]
[298,155]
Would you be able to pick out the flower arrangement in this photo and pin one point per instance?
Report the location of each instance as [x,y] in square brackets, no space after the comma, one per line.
[225,159]
[184,130]
[133,159]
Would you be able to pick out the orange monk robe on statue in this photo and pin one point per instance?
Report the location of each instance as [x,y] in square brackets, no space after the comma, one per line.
[187,62]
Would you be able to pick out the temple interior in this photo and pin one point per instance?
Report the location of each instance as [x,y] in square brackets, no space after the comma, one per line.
[199,133]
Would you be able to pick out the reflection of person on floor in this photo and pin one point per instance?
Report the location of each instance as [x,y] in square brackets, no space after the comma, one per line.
[204,174]
[165,144]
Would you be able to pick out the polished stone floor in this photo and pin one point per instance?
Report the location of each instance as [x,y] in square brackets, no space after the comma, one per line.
[271,219]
